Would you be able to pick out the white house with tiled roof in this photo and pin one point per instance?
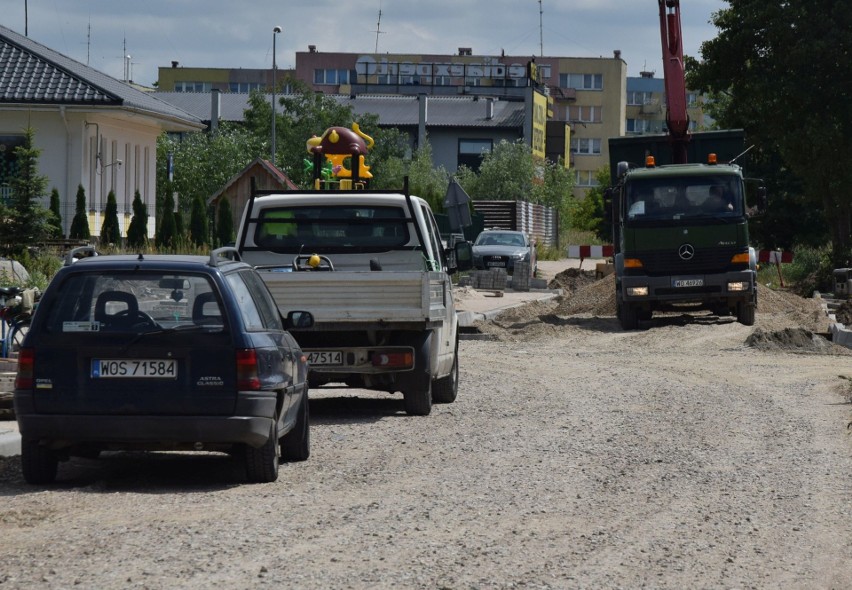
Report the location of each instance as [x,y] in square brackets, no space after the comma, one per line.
[93,130]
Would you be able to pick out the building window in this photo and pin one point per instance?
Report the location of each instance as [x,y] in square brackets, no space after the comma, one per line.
[639,126]
[637,98]
[244,87]
[193,86]
[581,81]
[585,178]
[585,114]
[473,151]
[334,77]
[585,145]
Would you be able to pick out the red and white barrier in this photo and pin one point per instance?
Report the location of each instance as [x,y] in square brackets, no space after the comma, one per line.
[583,252]
[774,256]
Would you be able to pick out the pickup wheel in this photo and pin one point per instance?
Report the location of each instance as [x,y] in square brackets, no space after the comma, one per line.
[418,402]
[296,444]
[38,463]
[262,463]
[445,389]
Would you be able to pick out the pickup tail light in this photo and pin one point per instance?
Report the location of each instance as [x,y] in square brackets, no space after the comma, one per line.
[248,377]
[26,369]
[394,359]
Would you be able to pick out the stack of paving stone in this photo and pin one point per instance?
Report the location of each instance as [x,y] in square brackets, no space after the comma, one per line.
[521,276]
[494,279]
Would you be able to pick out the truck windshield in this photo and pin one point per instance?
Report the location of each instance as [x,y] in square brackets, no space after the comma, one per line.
[684,197]
[332,228]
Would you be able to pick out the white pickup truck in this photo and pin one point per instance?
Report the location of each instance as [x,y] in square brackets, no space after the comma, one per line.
[372,270]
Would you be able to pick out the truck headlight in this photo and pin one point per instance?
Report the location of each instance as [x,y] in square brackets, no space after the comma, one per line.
[637,291]
[738,286]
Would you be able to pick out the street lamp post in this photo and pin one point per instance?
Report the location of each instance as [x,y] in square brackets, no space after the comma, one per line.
[275,32]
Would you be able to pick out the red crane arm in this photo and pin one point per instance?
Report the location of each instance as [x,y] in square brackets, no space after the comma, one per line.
[677,117]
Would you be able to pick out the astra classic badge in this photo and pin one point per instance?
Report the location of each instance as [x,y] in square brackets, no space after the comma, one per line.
[686,251]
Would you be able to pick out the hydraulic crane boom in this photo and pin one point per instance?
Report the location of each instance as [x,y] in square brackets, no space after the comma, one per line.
[677,117]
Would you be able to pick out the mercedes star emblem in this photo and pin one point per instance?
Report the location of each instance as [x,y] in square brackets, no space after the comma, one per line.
[686,252]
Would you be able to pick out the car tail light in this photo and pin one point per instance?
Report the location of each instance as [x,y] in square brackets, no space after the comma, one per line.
[392,359]
[26,369]
[247,374]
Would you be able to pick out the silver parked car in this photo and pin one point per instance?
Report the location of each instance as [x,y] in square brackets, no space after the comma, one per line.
[501,248]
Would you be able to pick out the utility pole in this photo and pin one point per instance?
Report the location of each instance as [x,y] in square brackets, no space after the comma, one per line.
[540,29]
[275,32]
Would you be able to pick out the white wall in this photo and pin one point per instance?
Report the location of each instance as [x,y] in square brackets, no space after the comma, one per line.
[69,158]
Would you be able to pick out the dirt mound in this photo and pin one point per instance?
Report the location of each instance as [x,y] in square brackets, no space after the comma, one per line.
[571,279]
[785,320]
[788,339]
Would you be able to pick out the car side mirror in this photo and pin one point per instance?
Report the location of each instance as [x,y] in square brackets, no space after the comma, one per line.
[464,256]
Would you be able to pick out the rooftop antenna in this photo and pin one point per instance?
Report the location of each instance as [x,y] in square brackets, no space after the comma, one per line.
[540,29]
[379,27]
[89,40]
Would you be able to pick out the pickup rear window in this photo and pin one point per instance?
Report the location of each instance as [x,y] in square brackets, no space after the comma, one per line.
[331,228]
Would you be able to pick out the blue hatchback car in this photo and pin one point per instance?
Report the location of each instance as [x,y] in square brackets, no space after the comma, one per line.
[161,353]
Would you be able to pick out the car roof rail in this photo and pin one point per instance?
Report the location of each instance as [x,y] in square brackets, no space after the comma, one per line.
[70,258]
[219,253]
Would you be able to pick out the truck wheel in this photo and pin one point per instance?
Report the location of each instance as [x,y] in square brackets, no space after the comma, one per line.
[627,315]
[418,402]
[745,313]
[38,463]
[262,463]
[296,444]
[445,389]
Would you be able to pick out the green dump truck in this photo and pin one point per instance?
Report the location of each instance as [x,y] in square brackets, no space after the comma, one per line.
[680,231]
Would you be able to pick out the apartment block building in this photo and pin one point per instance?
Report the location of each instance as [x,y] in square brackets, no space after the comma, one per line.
[588,99]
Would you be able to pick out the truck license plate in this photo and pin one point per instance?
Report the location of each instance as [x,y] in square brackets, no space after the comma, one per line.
[129,369]
[325,358]
[678,283]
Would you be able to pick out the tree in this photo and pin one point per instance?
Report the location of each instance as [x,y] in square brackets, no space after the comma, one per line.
[204,162]
[27,222]
[167,234]
[199,228]
[80,223]
[224,223]
[589,214]
[426,181]
[55,218]
[782,70]
[303,114]
[506,174]
[137,233]
[110,232]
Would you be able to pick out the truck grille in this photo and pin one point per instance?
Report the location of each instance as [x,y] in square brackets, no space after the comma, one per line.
[667,262]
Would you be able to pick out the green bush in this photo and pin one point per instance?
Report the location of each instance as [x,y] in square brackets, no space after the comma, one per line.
[811,270]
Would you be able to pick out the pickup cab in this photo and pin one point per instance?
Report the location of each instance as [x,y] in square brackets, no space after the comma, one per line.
[371,268]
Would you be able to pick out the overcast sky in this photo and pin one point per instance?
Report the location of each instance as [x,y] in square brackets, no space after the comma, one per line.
[238,34]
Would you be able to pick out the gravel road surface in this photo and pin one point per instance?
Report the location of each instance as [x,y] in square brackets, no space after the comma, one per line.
[693,453]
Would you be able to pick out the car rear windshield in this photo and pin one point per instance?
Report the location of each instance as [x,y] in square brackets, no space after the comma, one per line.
[134,302]
[332,228]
